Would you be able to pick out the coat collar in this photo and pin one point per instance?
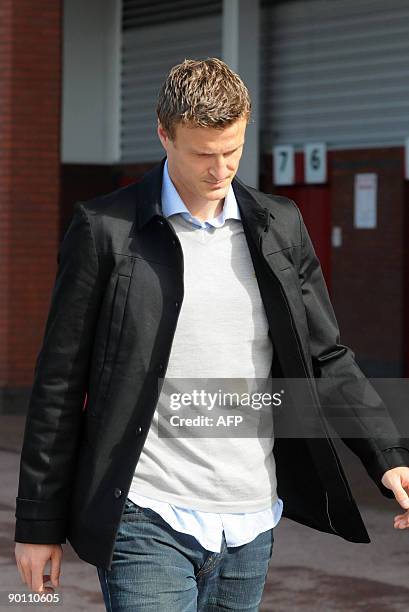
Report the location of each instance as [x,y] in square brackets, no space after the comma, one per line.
[149,195]
[254,216]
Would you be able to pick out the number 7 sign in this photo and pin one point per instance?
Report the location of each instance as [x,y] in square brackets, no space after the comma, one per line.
[283,165]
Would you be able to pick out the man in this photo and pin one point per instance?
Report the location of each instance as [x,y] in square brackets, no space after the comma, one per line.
[189,274]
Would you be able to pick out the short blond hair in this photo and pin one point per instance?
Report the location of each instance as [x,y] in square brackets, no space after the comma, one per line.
[204,93]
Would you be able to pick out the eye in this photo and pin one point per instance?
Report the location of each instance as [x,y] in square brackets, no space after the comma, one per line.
[232,152]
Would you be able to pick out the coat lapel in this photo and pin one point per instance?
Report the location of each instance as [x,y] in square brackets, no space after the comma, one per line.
[270,240]
[267,230]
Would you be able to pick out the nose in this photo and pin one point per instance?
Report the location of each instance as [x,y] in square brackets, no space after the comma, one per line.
[219,170]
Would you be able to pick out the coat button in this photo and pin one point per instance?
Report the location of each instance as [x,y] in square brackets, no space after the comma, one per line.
[177,304]
[160,221]
[138,430]
[117,492]
[160,367]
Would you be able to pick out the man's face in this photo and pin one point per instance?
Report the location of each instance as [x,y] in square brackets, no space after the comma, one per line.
[202,161]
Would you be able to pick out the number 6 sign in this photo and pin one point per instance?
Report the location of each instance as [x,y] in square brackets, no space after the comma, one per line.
[283,165]
[315,163]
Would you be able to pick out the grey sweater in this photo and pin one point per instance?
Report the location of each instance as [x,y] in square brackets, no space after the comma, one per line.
[222,333]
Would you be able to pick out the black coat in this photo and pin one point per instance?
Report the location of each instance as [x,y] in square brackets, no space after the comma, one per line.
[108,336]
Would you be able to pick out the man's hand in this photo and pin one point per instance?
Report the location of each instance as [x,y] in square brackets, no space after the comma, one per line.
[31,561]
[397,480]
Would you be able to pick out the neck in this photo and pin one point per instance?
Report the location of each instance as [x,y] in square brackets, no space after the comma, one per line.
[207,211]
[201,209]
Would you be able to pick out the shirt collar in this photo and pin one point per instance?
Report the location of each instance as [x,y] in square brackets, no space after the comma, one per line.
[173,204]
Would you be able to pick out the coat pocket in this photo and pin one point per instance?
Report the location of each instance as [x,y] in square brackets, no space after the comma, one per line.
[114,333]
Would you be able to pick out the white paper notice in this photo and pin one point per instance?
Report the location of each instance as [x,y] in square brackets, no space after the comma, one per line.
[366,188]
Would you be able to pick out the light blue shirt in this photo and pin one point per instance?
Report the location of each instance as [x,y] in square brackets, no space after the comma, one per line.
[173,204]
[207,527]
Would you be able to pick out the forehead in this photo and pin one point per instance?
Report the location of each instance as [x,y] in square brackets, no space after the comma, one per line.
[214,139]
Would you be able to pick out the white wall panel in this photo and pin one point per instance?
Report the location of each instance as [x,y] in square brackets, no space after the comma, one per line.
[91,81]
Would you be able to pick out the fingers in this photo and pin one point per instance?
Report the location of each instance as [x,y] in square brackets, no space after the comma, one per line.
[20,571]
[38,580]
[56,567]
[31,574]
[25,572]
[401,521]
[394,482]
[31,561]
[37,577]
[402,497]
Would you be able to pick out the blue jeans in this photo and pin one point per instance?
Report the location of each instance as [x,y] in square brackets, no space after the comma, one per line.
[158,569]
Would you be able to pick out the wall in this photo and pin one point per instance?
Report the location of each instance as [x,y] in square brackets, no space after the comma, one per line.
[30,35]
[369,269]
[368,274]
[91,81]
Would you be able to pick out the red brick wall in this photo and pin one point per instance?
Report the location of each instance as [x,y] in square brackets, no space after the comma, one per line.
[30,96]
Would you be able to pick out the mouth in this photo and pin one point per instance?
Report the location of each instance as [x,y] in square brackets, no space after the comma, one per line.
[217,182]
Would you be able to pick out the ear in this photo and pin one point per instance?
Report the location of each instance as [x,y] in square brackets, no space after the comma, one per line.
[162,134]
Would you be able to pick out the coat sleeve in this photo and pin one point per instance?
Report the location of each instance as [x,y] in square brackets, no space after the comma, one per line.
[348,400]
[52,427]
